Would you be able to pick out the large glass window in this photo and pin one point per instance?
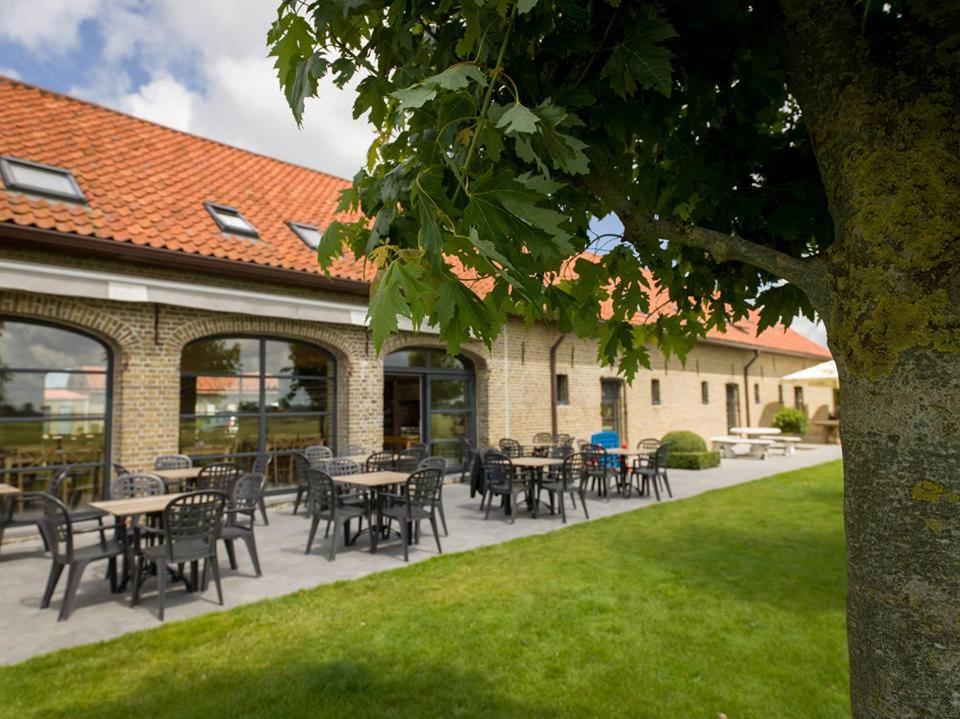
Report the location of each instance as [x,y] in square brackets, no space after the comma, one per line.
[54,407]
[240,396]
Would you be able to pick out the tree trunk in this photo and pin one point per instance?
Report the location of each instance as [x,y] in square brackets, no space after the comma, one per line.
[901,449]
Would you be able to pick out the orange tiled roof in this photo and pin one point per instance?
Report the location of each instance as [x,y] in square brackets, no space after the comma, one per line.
[146,185]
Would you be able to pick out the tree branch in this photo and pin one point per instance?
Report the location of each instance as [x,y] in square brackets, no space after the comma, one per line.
[805,274]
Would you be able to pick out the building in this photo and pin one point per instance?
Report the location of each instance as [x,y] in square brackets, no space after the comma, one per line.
[159,293]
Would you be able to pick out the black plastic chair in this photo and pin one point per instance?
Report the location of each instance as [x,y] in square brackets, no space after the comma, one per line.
[418,502]
[191,526]
[654,472]
[409,459]
[511,447]
[241,515]
[172,461]
[439,463]
[600,469]
[60,534]
[261,465]
[381,462]
[329,505]
[119,470]
[317,454]
[129,486]
[571,478]
[467,458]
[219,477]
[500,479]
[301,469]
[543,438]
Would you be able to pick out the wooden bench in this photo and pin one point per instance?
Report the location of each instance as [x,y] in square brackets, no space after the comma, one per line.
[754,447]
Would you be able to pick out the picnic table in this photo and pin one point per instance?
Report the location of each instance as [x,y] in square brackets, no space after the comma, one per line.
[756,447]
[755,431]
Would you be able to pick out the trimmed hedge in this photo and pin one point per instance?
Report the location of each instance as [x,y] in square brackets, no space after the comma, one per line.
[683,441]
[791,420]
[693,460]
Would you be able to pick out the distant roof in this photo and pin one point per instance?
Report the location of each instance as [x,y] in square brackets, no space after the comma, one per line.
[146,185]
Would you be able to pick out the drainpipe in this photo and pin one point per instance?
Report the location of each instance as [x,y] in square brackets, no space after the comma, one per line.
[553,384]
[746,382]
[506,381]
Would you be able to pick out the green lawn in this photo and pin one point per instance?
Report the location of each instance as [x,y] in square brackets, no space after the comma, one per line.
[729,602]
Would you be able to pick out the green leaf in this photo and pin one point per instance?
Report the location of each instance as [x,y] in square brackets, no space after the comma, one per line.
[415,96]
[525,6]
[640,60]
[332,242]
[518,119]
[457,77]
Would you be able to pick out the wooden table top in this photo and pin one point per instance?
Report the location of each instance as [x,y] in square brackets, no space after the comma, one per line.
[7,489]
[373,479]
[536,462]
[176,475]
[137,506]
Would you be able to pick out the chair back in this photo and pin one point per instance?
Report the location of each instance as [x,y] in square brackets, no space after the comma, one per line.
[301,466]
[423,487]
[511,447]
[323,490]
[341,467]
[119,470]
[381,461]
[58,483]
[354,450]
[565,440]
[660,457]
[317,454]
[543,438]
[563,450]
[573,471]
[409,459]
[219,477]
[261,464]
[193,519]
[57,528]
[172,461]
[648,445]
[247,491]
[607,440]
[497,468]
[130,486]
[434,463]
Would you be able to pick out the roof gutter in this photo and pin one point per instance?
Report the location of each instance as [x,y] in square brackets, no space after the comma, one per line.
[35,238]
[553,384]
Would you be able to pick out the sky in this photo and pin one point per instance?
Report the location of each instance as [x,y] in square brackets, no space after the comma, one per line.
[194,65]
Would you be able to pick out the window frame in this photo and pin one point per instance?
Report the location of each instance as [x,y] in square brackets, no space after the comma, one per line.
[103,491]
[655,395]
[10,183]
[563,388]
[263,414]
[704,392]
[756,393]
[214,207]
[297,226]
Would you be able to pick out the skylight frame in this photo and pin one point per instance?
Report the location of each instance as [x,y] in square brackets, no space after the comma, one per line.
[10,182]
[214,208]
[298,226]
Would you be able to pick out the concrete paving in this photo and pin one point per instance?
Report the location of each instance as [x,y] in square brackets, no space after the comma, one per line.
[28,630]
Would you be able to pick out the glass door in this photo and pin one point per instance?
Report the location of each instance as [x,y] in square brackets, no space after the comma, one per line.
[450,400]
[610,405]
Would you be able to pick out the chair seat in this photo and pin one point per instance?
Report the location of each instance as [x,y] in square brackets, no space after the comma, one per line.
[400,512]
[93,552]
[559,486]
[234,531]
[184,551]
[346,511]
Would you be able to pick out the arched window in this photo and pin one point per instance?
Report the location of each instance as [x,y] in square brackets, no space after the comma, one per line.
[54,407]
[240,396]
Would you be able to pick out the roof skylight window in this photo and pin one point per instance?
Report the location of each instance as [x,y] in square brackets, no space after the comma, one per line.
[36,179]
[310,235]
[230,220]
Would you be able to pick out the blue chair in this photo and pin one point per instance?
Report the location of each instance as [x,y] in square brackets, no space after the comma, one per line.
[610,440]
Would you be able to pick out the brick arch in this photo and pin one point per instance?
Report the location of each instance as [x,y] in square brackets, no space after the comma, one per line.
[120,336]
[339,344]
[473,351]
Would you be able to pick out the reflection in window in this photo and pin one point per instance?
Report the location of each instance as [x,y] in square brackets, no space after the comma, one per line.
[240,396]
[426,359]
[53,407]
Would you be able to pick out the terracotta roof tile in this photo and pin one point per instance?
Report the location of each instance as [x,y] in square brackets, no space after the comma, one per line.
[146,185]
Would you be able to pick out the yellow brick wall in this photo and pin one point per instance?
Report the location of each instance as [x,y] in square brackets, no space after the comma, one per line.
[515,373]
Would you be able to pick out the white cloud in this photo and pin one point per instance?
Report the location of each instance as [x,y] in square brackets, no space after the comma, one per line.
[49,27]
[811,330]
[162,100]
[10,72]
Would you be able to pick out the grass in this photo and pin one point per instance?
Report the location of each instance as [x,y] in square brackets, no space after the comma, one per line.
[729,602]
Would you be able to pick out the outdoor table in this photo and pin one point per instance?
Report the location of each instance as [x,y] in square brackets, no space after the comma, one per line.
[123,509]
[172,477]
[7,489]
[537,465]
[830,429]
[754,431]
[376,482]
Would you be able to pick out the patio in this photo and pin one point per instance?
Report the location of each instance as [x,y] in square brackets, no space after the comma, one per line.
[100,615]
